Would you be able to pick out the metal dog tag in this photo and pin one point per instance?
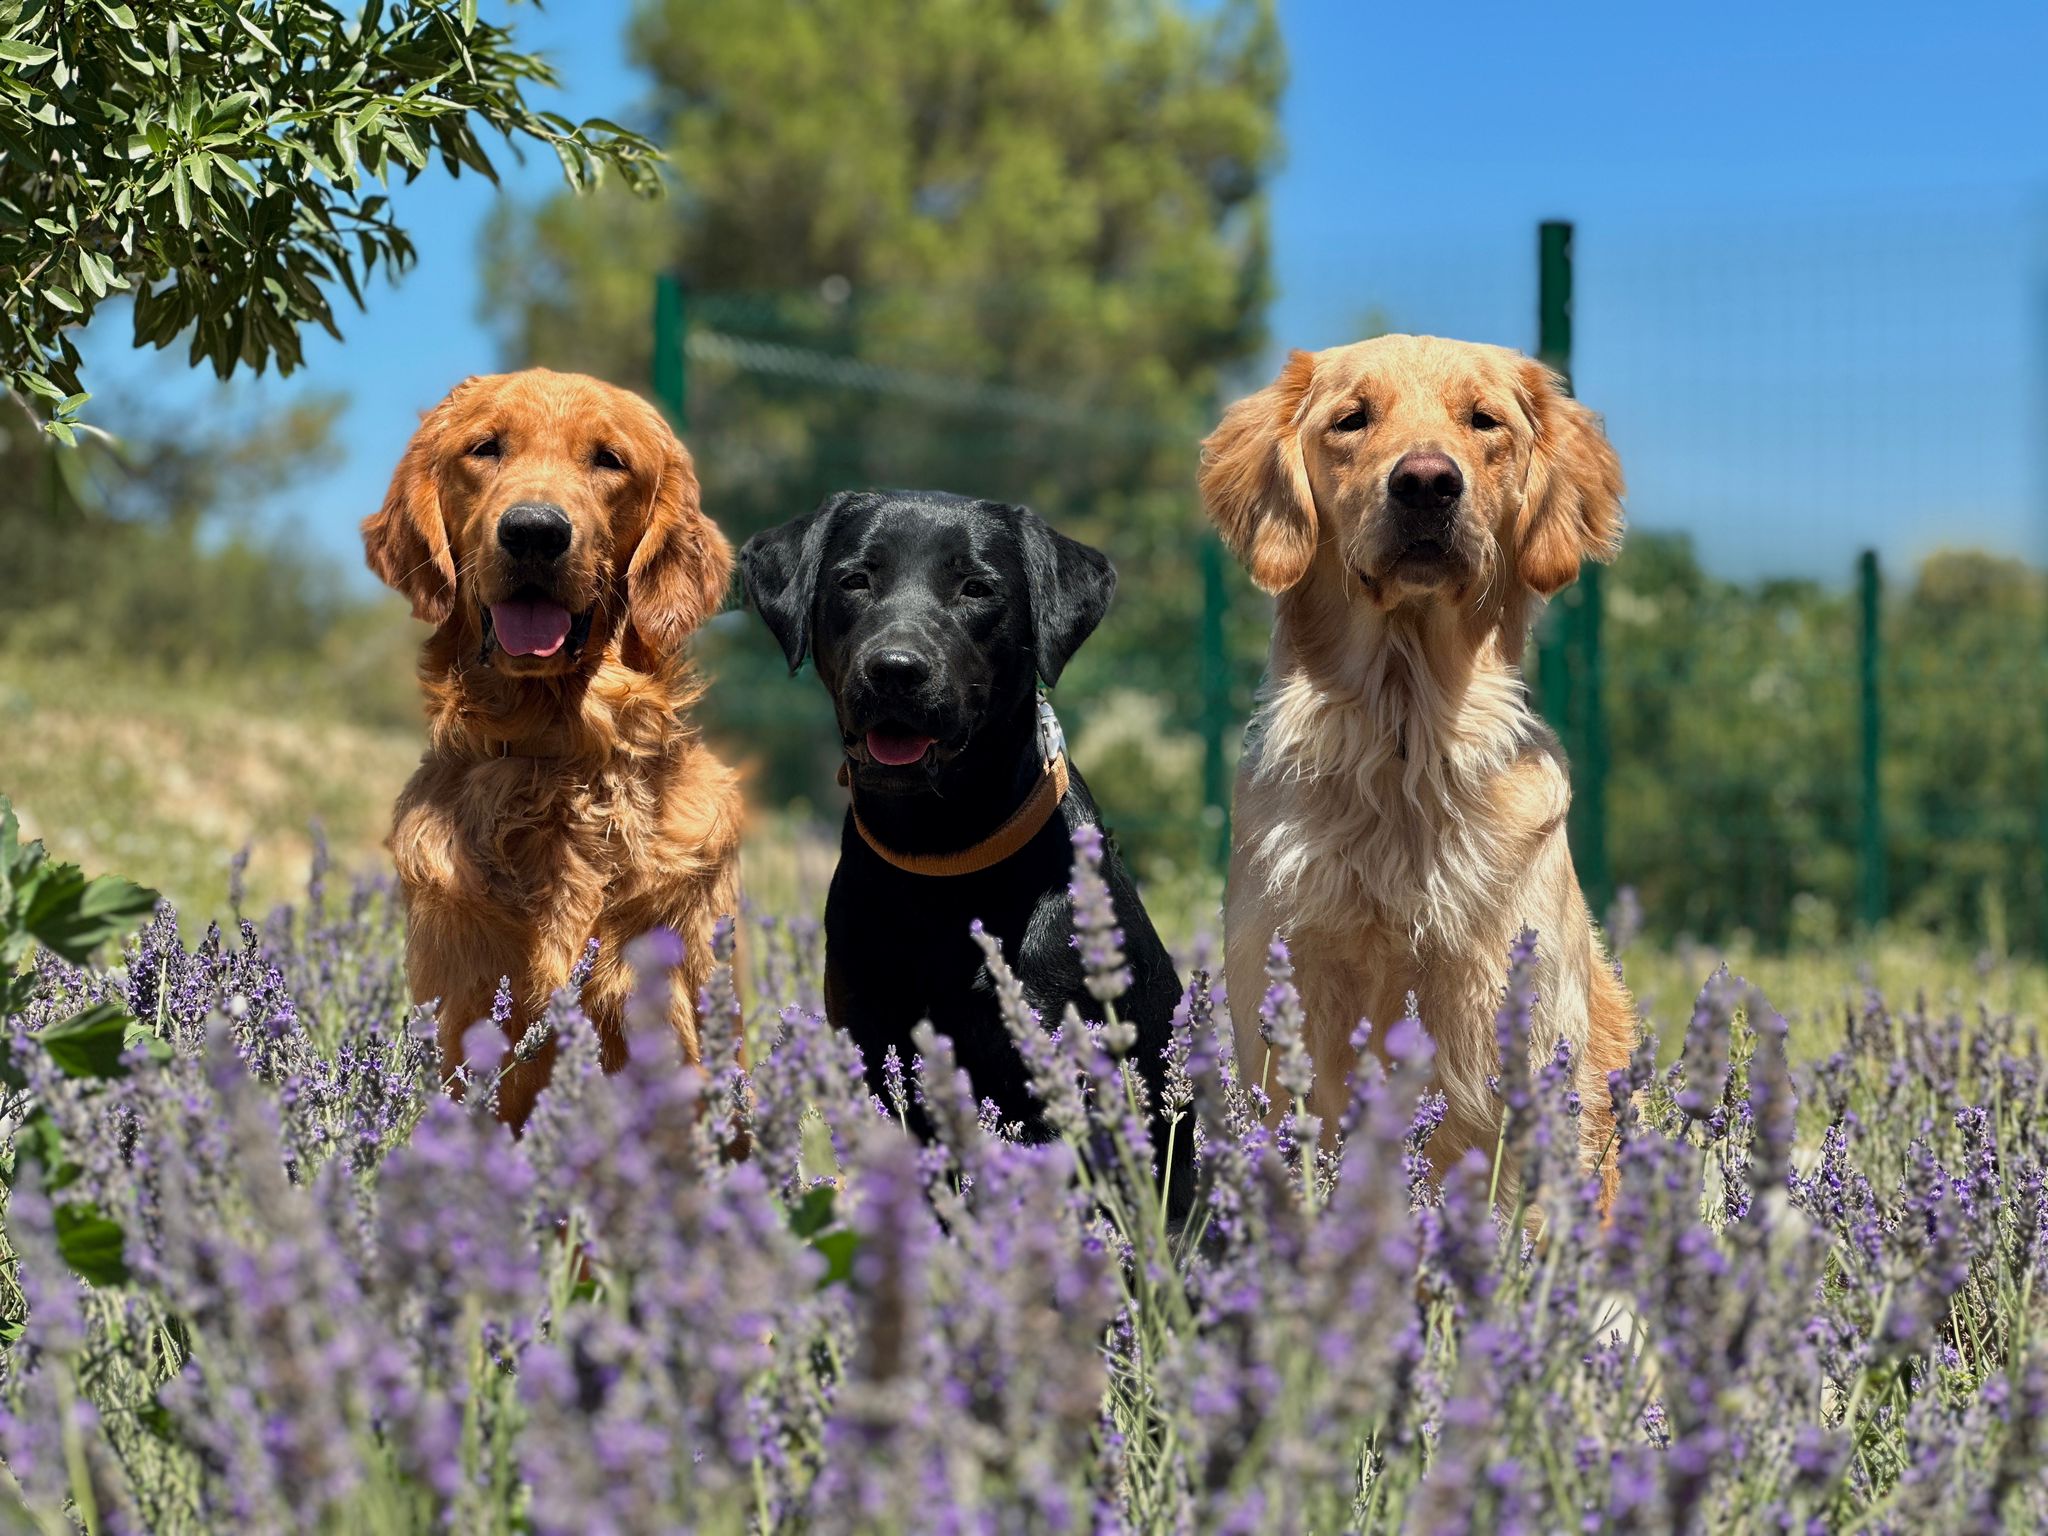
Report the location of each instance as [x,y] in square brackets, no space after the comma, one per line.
[1052,741]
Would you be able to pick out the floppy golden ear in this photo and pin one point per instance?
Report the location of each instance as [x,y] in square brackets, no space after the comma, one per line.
[1255,481]
[406,539]
[682,566]
[1571,511]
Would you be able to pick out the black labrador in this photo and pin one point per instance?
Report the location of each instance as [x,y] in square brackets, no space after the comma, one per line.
[932,617]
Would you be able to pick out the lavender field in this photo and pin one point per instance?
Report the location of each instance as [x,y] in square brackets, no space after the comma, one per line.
[263,1275]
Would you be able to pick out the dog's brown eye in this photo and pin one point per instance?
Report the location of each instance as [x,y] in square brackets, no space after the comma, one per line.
[1481,422]
[973,588]
[605,458]
[487,449]
[854,581]
[1357,421]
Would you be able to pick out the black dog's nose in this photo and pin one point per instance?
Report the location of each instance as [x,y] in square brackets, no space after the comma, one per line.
[896,670]
[1425,482]
[534,530]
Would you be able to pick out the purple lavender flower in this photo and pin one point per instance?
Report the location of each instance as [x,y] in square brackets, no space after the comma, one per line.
[1281,1024]
[346,1295]
[1096,934]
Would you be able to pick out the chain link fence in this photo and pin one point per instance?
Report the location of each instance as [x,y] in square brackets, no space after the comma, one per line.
[1810,696]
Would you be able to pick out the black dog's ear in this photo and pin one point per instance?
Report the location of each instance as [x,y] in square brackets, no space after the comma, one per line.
[1071,585]
[780,570]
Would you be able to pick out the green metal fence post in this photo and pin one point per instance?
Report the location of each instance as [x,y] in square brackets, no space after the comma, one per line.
[2041,471]
[1591,858]
[1554,661]
[1875,897]
[1554,295]
[1572,670]
[670,372]
[1215,682]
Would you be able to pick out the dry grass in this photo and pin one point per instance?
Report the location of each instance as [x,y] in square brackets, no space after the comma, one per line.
[163,780]
[1814,987]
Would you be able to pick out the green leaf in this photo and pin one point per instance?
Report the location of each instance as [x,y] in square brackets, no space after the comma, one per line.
[181,194]
[572,163]
[38,1141]
[13,856]
[838,1247]
[71,916]
[119,15]
[238,171]
[91,1243]
[99,275]
[262,38]
[90,1043]
[65,300]
[230,112]
[25,53]
[402,139]
[813,1214]
[467,12]
[811,1219]
[140,1034]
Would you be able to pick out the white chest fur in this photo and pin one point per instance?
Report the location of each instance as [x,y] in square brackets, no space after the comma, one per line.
[1383,793]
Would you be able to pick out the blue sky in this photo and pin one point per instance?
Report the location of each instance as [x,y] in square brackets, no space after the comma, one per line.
[1812,302]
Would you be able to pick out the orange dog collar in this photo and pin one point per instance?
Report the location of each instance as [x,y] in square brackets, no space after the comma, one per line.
[1023,824]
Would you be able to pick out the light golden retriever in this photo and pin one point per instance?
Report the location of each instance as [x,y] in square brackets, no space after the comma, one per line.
[1400,810]
[547,525]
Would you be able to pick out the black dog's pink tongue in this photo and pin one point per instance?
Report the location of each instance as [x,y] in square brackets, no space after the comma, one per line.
[896,751]
[530,629]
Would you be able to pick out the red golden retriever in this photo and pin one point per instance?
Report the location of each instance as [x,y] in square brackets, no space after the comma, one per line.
[547,526]
[1400,812]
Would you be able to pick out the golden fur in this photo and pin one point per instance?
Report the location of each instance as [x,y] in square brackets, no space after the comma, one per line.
[566,797]
[1400,810]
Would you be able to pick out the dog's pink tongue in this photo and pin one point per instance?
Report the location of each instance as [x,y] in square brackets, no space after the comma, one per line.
[896,751]
[530,629]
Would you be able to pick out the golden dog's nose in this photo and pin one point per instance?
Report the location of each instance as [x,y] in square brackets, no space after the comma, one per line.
[1425,482]
[534,530]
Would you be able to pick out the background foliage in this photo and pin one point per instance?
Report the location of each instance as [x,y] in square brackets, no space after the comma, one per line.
[1047,224]
[1733,709]
[222,165]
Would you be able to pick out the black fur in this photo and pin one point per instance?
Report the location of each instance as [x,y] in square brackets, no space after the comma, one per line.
[964,604]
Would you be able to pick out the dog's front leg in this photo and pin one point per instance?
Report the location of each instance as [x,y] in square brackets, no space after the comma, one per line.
[464,934]
[691,913]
